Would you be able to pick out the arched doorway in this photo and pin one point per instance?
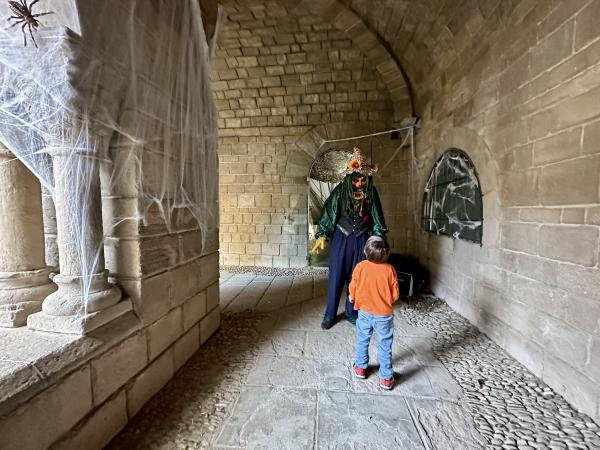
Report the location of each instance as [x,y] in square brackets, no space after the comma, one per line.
[325,173]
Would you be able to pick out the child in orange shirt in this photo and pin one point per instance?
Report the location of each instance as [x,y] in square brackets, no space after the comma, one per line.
[373,290]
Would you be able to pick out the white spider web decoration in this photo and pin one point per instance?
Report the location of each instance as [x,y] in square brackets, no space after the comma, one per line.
[125,98]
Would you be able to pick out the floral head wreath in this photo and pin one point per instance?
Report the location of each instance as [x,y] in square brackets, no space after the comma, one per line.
[360,164]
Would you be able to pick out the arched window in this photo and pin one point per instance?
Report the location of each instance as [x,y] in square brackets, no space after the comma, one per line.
[452,200]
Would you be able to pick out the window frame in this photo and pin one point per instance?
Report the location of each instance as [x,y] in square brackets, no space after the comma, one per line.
[427,203]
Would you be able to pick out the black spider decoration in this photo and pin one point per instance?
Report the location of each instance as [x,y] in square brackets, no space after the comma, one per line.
[24,14]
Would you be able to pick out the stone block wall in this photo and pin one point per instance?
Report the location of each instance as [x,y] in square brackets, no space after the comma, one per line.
[93,386]
[520,96]
[278,75]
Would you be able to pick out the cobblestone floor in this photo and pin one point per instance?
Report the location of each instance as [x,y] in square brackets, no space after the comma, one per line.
[271,378]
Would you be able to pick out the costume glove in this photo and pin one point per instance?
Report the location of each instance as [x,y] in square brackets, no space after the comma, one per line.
[319,245]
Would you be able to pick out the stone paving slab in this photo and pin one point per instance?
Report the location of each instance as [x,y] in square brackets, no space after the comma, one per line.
[331,344]
[271,418]
[415,349]
[302,289]
[276,295]
[224,276]
[411,380]
[445,425]
[272,379]
[249,297]
[404,328]
[365,421]
[282,343]
[228,293]
[300,373]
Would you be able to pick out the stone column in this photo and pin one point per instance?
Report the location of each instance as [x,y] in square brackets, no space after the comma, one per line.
[24,277]
[85,299]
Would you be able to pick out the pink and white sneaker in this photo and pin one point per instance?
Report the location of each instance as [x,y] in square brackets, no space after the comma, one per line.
[359,372]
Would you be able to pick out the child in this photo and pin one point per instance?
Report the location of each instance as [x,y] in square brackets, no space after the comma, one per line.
[373,290]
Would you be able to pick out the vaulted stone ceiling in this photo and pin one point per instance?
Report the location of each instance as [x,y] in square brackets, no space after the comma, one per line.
[427,35]
[424,37]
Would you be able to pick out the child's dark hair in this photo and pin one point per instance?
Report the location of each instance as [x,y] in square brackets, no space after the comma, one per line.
[377,249]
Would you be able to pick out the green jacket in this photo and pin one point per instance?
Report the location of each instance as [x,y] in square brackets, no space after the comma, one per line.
[332,212]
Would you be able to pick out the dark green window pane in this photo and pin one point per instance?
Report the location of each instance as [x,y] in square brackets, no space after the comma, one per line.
[452,200]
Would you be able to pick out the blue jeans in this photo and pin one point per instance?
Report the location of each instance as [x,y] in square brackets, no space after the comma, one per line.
[384,328]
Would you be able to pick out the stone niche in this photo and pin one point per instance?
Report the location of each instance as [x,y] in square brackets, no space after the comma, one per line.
[111,79]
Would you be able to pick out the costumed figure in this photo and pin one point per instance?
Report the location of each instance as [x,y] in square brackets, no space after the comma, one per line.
[351,214]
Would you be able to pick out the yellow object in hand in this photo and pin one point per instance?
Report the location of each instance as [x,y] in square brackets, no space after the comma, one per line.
[319,245]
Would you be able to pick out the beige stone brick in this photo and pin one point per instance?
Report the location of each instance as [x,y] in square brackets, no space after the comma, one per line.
[570,383]
[281,201]
[554,48]
[246,201]
[212,296]
[248,103]
[269,249]
[520,237]
[570,243]
[233,123]
[253,249]
[586,26]
[524,350]
[562,146]
[281,261]
[275,70]
[591,138]
[192,277]
[186,346]
[541,215]
[68,401]
[592,215]
[150,297]
[210,324]
[190,245]
[246,260]
[247,61]
[117,366]
[239,248]
[288,250]
[582,312]
[98,430]
[194,309]
[161,334]
[576,109]
[263,261]
[149,382]
[298,261]
[573,215]
[570,182]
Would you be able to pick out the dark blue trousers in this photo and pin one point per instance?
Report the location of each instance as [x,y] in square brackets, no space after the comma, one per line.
[345,253]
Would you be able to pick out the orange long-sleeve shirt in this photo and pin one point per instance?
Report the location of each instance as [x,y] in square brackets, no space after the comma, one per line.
[374,287]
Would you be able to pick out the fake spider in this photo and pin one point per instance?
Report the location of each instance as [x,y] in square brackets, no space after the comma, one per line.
[24,14]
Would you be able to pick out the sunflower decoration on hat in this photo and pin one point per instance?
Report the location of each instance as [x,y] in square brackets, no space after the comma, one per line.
[360,164]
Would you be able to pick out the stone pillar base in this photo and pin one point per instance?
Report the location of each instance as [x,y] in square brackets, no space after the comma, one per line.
[78,324]
[22,293]
[81,296]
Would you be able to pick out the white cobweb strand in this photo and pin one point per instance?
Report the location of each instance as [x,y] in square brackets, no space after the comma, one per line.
[131,102]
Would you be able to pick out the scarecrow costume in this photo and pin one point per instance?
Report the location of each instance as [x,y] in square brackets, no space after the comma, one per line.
[351,214]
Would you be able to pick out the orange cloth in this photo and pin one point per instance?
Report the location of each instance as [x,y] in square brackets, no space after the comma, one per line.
[374,287]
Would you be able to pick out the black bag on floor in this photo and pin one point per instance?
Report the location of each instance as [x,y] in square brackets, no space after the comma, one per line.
[412,276]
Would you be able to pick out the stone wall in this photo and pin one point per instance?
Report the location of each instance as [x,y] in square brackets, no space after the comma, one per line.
[80,391]
[519,93]
[281,78]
